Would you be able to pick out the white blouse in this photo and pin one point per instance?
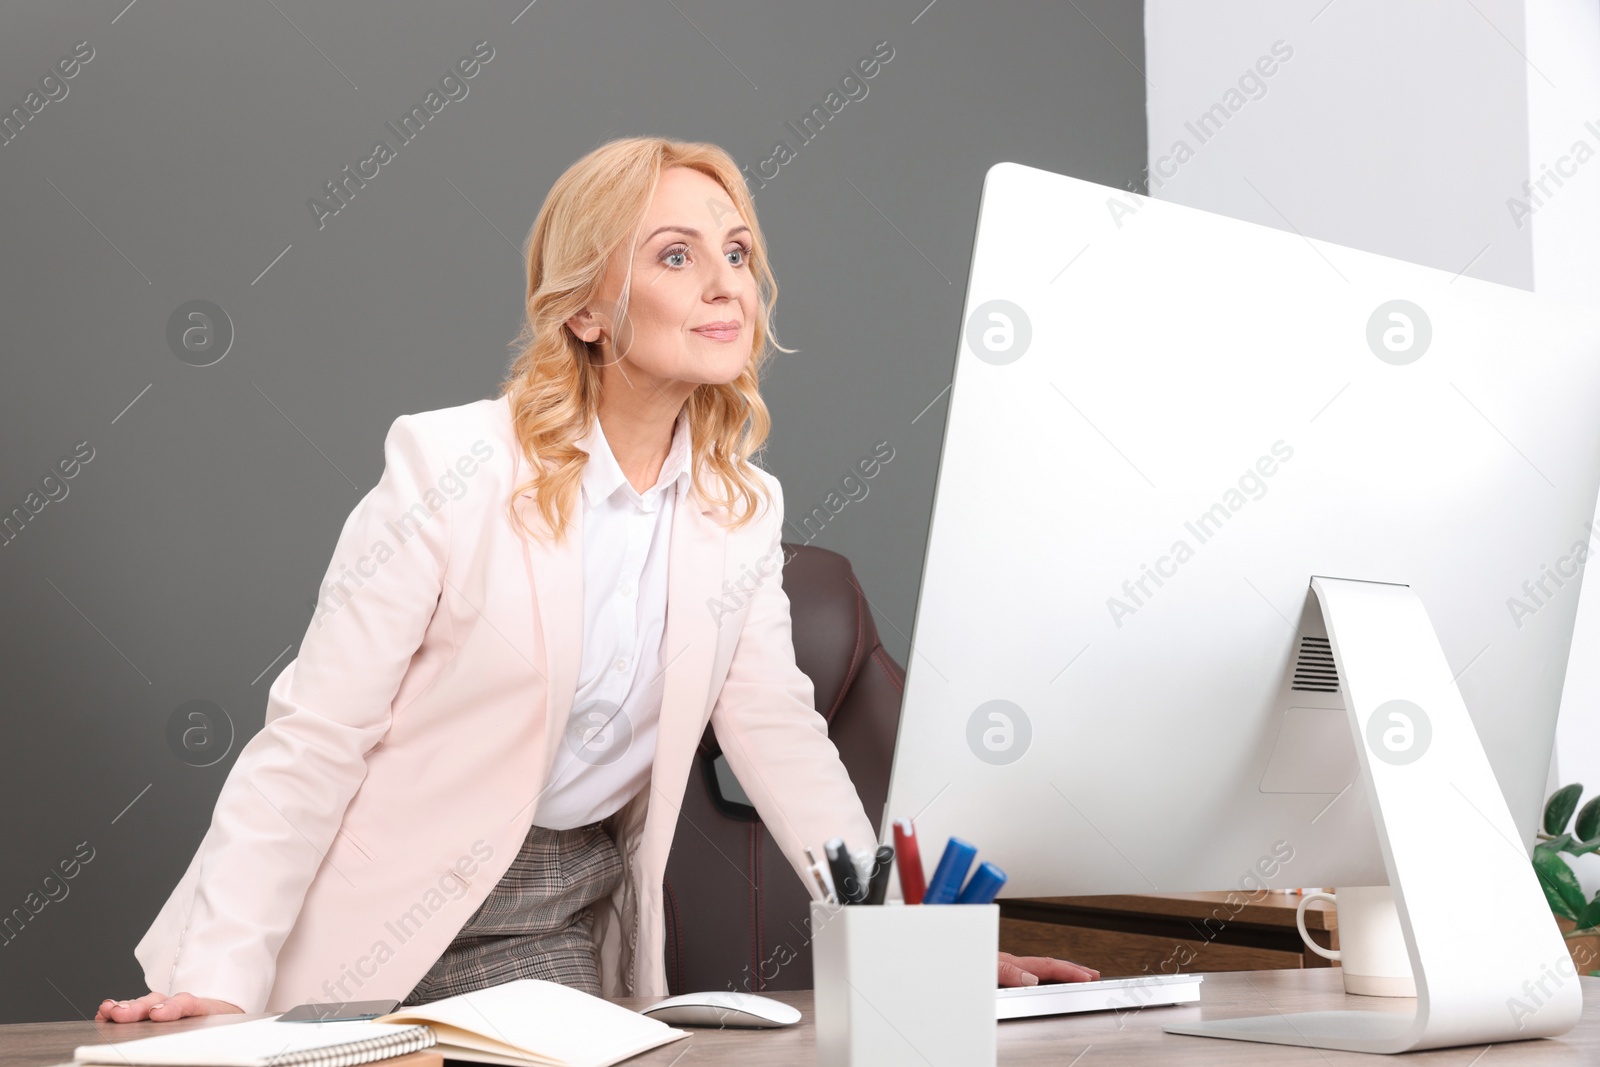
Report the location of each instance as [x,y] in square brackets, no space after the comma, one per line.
[610,741]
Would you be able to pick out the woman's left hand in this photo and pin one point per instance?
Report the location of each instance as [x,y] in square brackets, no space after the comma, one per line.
[1031,970]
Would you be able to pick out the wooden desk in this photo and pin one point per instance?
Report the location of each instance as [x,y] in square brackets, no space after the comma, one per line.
[1152,934]
[1135,1038]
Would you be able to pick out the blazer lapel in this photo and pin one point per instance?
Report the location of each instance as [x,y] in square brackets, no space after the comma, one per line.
[555,580]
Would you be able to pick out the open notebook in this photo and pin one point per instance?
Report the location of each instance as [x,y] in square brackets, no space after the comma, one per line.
[528,1023]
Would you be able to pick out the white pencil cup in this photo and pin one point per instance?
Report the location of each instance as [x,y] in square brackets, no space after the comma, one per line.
[898,984]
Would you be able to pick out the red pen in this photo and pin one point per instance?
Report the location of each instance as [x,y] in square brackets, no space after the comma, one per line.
[909,860]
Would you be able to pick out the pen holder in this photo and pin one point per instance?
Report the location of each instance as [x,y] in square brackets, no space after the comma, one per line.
[898,984]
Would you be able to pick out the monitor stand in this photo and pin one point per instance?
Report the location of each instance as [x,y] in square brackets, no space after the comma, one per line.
[1489,961]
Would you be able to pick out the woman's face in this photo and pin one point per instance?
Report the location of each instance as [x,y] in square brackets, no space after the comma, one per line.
[692,299]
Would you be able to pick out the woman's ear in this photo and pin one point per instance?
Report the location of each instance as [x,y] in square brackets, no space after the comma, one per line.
[585,326]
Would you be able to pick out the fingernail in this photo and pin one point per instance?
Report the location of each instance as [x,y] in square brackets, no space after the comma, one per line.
[158,1007]
[1030,979]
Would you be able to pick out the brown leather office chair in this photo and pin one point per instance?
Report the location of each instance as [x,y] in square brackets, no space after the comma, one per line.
[737,915]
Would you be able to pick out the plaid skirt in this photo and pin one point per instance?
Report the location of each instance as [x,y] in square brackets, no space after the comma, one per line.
[535,922]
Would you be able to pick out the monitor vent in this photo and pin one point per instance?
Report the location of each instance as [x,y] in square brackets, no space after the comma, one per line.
[1314,671]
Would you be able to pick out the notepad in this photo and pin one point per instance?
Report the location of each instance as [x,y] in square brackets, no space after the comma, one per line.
[265,1043]
[525,1023]
[530,1022]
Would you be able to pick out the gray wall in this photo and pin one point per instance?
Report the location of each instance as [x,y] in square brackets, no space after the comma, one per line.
[1400,129]
[182,561]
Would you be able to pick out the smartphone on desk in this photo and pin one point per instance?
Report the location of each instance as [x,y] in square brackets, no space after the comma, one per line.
[349,1011]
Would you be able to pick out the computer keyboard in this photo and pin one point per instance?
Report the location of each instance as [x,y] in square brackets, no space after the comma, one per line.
[1107,994]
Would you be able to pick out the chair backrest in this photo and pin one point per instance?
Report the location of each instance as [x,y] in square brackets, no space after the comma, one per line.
[737,915]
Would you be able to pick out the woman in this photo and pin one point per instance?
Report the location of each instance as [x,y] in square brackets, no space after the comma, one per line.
[472,771]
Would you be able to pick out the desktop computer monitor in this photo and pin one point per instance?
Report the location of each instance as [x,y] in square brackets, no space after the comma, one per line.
[1166,424]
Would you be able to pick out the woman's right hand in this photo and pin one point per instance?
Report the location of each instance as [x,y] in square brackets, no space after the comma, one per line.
[160,1008]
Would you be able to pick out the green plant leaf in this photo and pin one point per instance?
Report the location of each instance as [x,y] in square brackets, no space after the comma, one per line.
[1588,824]
[1557,844]
[1559,808]
[1560,885]
[1590,915]
[1581,848]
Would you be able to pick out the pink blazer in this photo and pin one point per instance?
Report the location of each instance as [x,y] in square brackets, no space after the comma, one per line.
[406,744]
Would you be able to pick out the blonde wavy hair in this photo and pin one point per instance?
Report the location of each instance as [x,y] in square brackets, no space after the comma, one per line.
[553,380]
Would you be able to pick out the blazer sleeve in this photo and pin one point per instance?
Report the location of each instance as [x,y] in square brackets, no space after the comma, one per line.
[775,740]
[219,933]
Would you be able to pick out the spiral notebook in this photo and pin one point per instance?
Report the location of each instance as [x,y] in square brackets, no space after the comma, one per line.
[266,1043]
[526,1023]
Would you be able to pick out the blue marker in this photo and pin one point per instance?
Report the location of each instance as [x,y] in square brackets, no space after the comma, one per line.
[950,873]
[983,886]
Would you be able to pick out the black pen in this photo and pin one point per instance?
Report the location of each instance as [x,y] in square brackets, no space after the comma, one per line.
[882,864]
[845,882]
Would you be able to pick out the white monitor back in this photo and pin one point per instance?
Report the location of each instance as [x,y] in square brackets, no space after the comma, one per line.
[1163,423]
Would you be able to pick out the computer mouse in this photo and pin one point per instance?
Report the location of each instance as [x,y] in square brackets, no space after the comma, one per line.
[723,1009]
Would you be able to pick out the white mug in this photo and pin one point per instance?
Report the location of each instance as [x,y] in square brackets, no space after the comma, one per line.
[1372,950]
